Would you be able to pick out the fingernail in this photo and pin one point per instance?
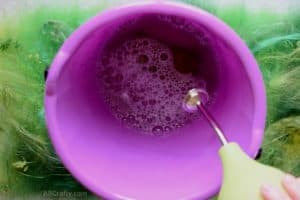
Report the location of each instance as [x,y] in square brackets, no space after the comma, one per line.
[267,189]
[289,179]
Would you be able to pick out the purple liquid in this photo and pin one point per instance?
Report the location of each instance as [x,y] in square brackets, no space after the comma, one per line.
[144,82]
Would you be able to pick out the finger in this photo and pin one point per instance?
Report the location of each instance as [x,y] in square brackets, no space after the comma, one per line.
[292,186]
[270,193]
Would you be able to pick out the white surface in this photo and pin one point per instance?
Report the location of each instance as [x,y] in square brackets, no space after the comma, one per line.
[10,7]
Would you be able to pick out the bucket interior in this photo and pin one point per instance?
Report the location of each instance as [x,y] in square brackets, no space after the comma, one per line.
[115,158]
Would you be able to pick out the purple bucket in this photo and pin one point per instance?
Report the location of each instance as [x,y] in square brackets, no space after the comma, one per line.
[115,163]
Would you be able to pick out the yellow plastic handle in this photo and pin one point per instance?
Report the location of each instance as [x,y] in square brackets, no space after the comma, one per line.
[243,176]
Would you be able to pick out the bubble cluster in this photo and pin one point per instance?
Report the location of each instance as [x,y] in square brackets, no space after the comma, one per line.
[143,89]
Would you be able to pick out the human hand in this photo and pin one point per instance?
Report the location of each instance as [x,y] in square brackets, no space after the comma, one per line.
[291,186]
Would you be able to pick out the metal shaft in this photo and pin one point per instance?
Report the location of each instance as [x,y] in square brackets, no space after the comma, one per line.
[212,122]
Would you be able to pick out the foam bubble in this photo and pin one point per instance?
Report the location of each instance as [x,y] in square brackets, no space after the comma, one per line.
[146,91]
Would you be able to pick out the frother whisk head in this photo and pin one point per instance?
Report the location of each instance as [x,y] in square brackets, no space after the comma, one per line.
[194,98]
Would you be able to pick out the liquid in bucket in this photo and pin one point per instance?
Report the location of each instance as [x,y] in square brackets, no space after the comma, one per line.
[143,81]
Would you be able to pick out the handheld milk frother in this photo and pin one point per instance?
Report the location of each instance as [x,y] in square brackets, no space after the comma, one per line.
[243,176]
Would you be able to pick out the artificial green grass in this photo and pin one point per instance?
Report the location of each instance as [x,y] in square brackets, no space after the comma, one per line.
[28,43]
[281,146]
